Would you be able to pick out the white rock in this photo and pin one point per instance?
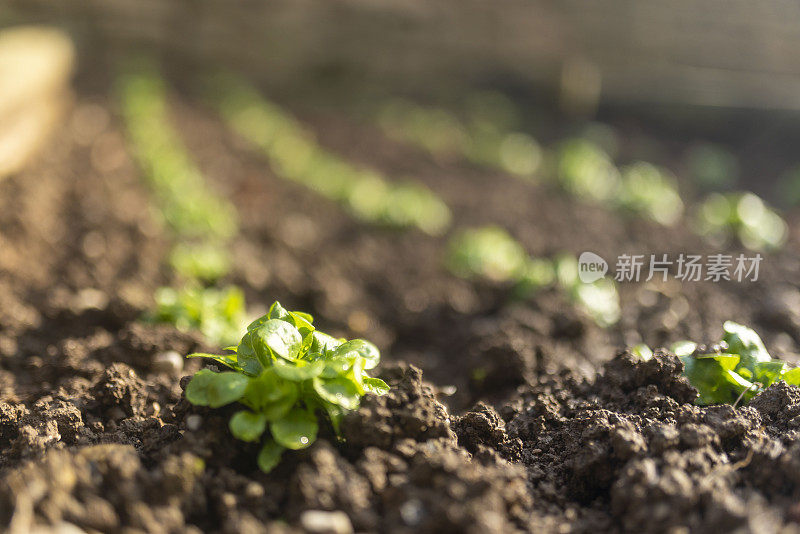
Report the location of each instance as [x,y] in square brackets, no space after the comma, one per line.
[322,522]
[193,422]
[169,362]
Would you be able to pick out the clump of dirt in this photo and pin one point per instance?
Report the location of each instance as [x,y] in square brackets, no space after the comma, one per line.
[401,465]
[630,451]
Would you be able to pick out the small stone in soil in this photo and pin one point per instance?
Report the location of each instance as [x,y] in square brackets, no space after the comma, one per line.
[168,362]
[193,422]
[322,522]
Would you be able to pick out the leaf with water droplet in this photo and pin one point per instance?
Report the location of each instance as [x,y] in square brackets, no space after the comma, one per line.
[340,391]
[296,430]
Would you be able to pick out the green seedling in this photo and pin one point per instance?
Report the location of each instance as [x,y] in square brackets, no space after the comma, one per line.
[200,221]
[295,155]
[587,171]
[207,261]
[219,314]
[599,299]
[651,192]
[490,253]
[732,372]
[744,216]
[283,372]
[484,137]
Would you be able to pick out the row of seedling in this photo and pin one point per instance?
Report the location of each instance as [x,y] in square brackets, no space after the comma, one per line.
[200,222]
[295,155]
[490,253]
[488,134]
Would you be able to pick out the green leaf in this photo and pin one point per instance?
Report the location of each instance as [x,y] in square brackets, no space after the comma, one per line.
[746,343]
[715,380]
[228,360]
[335,414]
[361,348]
[269,389]
[278,409]
[338,366]
[231,348]
[298,370]
[269,456]
[642,351]
[303,315]
[303,322]
[766,373]
[247,358]
[323,342]
[296,430]
[208,388]
[276,311]
[792,376]
[278,338]
[356,375]
[248,426]
[340,391]
[376,386]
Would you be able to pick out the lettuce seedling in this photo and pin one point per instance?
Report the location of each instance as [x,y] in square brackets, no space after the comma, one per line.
[296,156]
[490,253]
[219,314]
[284,371]
[599,299]
[744,216]
[486,137]
[651,192]
[207,261]
[735,370]
[587,171]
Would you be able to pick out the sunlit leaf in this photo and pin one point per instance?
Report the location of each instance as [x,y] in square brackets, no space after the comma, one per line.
[269,456]
[208,388]
[296,430]
[247,425]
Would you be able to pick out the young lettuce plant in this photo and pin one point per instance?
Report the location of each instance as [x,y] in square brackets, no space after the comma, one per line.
[284,371]
[296,156]
[490,253]
[735,370]
[485,137]
[219,314]
[744,216]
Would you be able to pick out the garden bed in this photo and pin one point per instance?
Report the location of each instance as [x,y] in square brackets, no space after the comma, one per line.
[504,414]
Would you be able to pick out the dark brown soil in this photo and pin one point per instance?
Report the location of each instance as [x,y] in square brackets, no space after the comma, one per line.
[525,420]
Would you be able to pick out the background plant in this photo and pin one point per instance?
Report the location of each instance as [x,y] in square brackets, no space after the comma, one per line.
[490,253]
[218,313]
[743,216]
[201,222]
[285,371]
[732,371]
[295,155]
[485,135]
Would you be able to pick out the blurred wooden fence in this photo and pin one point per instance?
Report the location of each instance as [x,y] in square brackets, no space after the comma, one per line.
[735,53]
